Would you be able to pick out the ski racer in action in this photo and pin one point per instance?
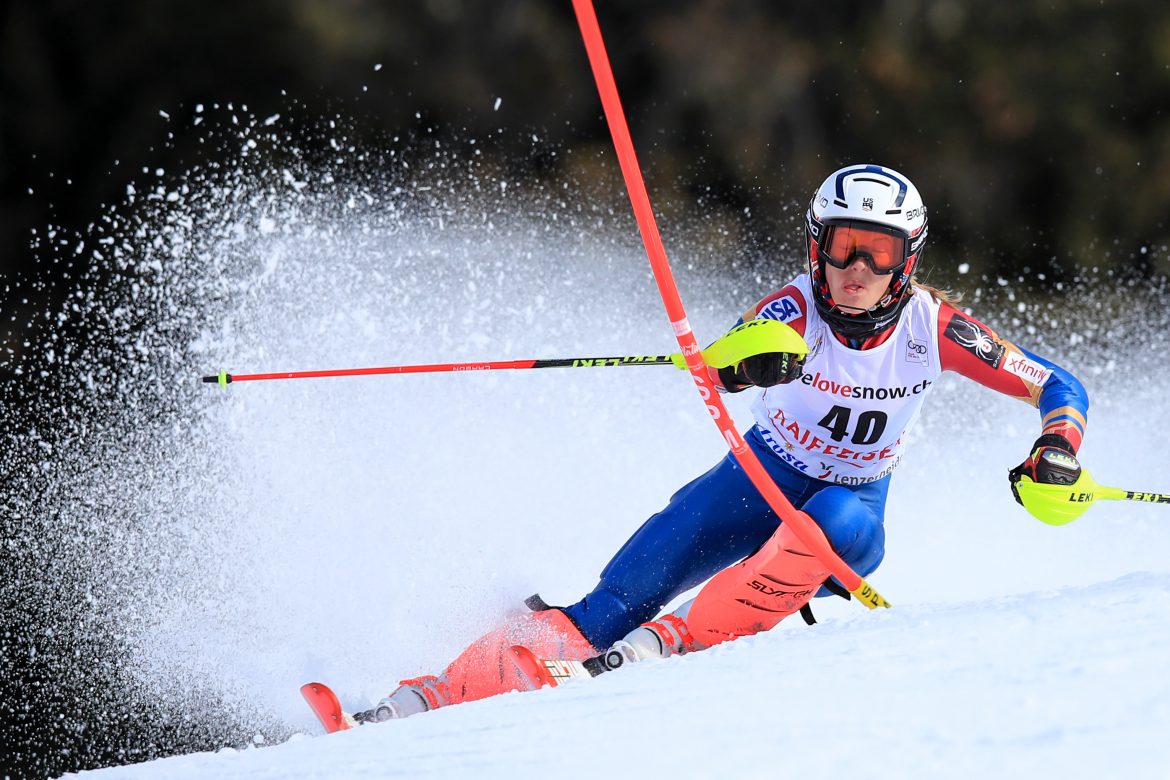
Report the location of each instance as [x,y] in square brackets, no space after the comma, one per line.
[830,424]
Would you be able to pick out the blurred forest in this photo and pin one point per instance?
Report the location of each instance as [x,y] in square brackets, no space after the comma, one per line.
[1038,133]
[1041,150]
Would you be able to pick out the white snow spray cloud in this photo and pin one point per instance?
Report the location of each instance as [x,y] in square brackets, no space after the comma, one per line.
[210,549]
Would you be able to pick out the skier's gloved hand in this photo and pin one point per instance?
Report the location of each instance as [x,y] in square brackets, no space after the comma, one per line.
[759,352]
[1052,462]
[765,370]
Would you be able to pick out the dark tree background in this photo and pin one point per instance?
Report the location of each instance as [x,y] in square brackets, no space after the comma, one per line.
[1037,131]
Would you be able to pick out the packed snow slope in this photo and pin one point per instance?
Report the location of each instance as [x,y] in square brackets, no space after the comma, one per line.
[219,547]
[1069,682]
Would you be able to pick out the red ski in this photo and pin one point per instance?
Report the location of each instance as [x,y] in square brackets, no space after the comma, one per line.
[554,671]
[540,672]
[327,708]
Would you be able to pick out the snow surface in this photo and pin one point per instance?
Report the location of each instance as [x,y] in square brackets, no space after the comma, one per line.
[1069,682]
[238,543]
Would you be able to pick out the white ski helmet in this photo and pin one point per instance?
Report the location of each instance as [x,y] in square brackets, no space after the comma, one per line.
[865,198]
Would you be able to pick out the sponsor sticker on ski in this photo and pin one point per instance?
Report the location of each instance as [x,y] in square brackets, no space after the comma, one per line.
[561,669]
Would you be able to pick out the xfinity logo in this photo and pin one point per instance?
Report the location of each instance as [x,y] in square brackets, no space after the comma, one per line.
[1028,370]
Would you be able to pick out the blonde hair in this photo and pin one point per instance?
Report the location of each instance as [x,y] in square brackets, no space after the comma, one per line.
[942,296]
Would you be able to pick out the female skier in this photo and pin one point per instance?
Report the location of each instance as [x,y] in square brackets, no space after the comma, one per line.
[829,429]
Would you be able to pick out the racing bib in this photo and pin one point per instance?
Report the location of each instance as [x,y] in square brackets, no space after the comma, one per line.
[845,420]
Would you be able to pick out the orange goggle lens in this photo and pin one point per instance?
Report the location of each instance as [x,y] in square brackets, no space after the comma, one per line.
[845,243]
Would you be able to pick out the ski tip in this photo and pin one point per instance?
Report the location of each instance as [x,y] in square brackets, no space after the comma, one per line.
[325,705]
[314,688]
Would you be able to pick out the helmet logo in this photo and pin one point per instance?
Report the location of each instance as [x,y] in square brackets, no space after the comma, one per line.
[814,227]
[867,204]
[845,173]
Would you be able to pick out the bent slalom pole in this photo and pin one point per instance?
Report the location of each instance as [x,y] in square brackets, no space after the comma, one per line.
[802,525]
[1061,504]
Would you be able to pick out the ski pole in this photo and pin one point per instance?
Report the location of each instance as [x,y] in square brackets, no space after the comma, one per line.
[802,525]
[223,378]
[755,337]
[1061,504]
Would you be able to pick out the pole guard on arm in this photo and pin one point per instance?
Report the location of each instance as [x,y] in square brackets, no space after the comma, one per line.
[800,523]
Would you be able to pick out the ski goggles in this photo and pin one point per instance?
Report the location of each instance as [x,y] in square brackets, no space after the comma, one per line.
[883,249]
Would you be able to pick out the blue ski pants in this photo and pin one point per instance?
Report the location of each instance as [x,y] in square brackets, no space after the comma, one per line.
[718,520]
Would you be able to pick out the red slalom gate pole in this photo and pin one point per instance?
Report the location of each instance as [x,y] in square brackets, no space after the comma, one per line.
[801,524]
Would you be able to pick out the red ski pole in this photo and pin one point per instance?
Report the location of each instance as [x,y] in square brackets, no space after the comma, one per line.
[224,379]
[801,524]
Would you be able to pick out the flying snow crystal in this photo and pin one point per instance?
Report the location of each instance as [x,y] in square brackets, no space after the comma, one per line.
[496,107]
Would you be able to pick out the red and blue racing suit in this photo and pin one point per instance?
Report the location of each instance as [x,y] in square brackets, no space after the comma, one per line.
[719,518]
